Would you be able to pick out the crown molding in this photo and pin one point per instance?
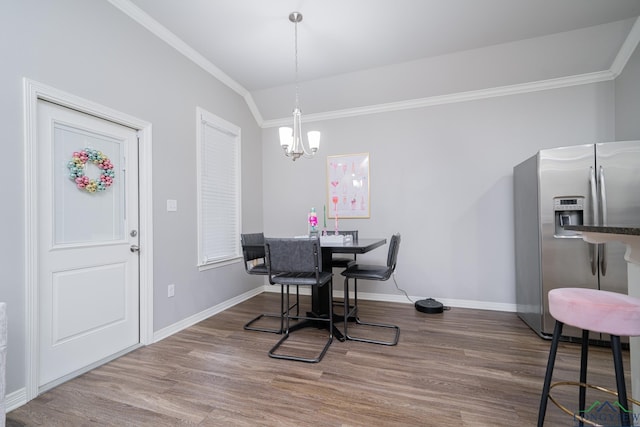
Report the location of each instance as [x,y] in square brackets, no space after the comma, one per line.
[474,95]
[254,109]
[621,59]
[627,49]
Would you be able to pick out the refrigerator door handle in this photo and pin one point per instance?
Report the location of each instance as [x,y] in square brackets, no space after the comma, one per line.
[593,255]
[602,248]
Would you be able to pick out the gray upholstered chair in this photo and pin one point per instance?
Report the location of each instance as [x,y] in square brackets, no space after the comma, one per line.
[298,262]
[370,272]
[254,263]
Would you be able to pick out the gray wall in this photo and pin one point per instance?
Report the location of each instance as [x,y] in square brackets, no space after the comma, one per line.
[628,100]
[442,176]
[92,50]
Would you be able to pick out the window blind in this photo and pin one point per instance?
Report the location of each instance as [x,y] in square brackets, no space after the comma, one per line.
[219,190]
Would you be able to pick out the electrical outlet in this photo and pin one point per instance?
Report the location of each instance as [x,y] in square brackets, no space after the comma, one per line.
[171,290]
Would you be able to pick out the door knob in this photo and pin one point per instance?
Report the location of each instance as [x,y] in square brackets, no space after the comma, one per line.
[134,248]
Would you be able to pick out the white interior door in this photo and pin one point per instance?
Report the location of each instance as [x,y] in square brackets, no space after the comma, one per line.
[88,269]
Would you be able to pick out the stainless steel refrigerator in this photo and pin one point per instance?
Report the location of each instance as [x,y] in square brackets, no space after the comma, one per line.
[585,184]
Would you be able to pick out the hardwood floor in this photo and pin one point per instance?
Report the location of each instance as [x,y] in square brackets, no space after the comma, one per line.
[463,367]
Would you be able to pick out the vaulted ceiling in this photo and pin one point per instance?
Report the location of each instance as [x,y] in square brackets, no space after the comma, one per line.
[357,55]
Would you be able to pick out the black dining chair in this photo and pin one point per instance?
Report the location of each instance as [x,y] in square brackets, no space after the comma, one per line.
[254,263]
[370,272]
[298,262]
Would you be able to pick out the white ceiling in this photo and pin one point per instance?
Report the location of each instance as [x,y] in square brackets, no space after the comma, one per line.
[251,41]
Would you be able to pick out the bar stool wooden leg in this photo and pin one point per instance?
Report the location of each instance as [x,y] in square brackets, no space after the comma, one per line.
[583,372]
[557,331]
[616,348]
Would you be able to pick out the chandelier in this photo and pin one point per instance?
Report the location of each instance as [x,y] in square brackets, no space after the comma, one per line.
[291,139]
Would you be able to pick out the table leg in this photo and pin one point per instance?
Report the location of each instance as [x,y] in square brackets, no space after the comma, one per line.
[320,295]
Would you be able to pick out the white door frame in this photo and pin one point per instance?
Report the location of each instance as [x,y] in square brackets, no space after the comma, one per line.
[32,92]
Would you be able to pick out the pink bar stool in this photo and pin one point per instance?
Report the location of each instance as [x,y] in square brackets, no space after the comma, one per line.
[598,311]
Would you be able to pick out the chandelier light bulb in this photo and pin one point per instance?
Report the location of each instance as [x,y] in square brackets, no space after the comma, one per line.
[314,140]
[286,137]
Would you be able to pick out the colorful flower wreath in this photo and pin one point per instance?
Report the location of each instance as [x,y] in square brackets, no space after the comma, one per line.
[77,168]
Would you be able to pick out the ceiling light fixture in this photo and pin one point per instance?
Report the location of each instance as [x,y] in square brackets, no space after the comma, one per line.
[291,139]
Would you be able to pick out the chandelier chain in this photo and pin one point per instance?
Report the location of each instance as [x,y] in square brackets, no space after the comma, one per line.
[296,57]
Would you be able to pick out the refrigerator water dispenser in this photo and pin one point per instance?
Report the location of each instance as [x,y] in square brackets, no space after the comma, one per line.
[568,211]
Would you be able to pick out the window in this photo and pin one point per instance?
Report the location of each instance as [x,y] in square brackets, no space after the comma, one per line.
[218,145]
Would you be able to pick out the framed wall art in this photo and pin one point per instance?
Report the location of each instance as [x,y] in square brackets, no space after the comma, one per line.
[348,186]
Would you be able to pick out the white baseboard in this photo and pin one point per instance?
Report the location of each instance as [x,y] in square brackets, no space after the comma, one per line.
[16,399]
[198,317]
[449,302]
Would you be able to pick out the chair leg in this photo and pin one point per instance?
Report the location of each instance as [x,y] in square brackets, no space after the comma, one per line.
[616,348]
[248,326]
[354,312]
[287,316]
[286,334]
[284,309]
[583,373]
[341,304]
[345,311]
[297,300]
[557,331]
